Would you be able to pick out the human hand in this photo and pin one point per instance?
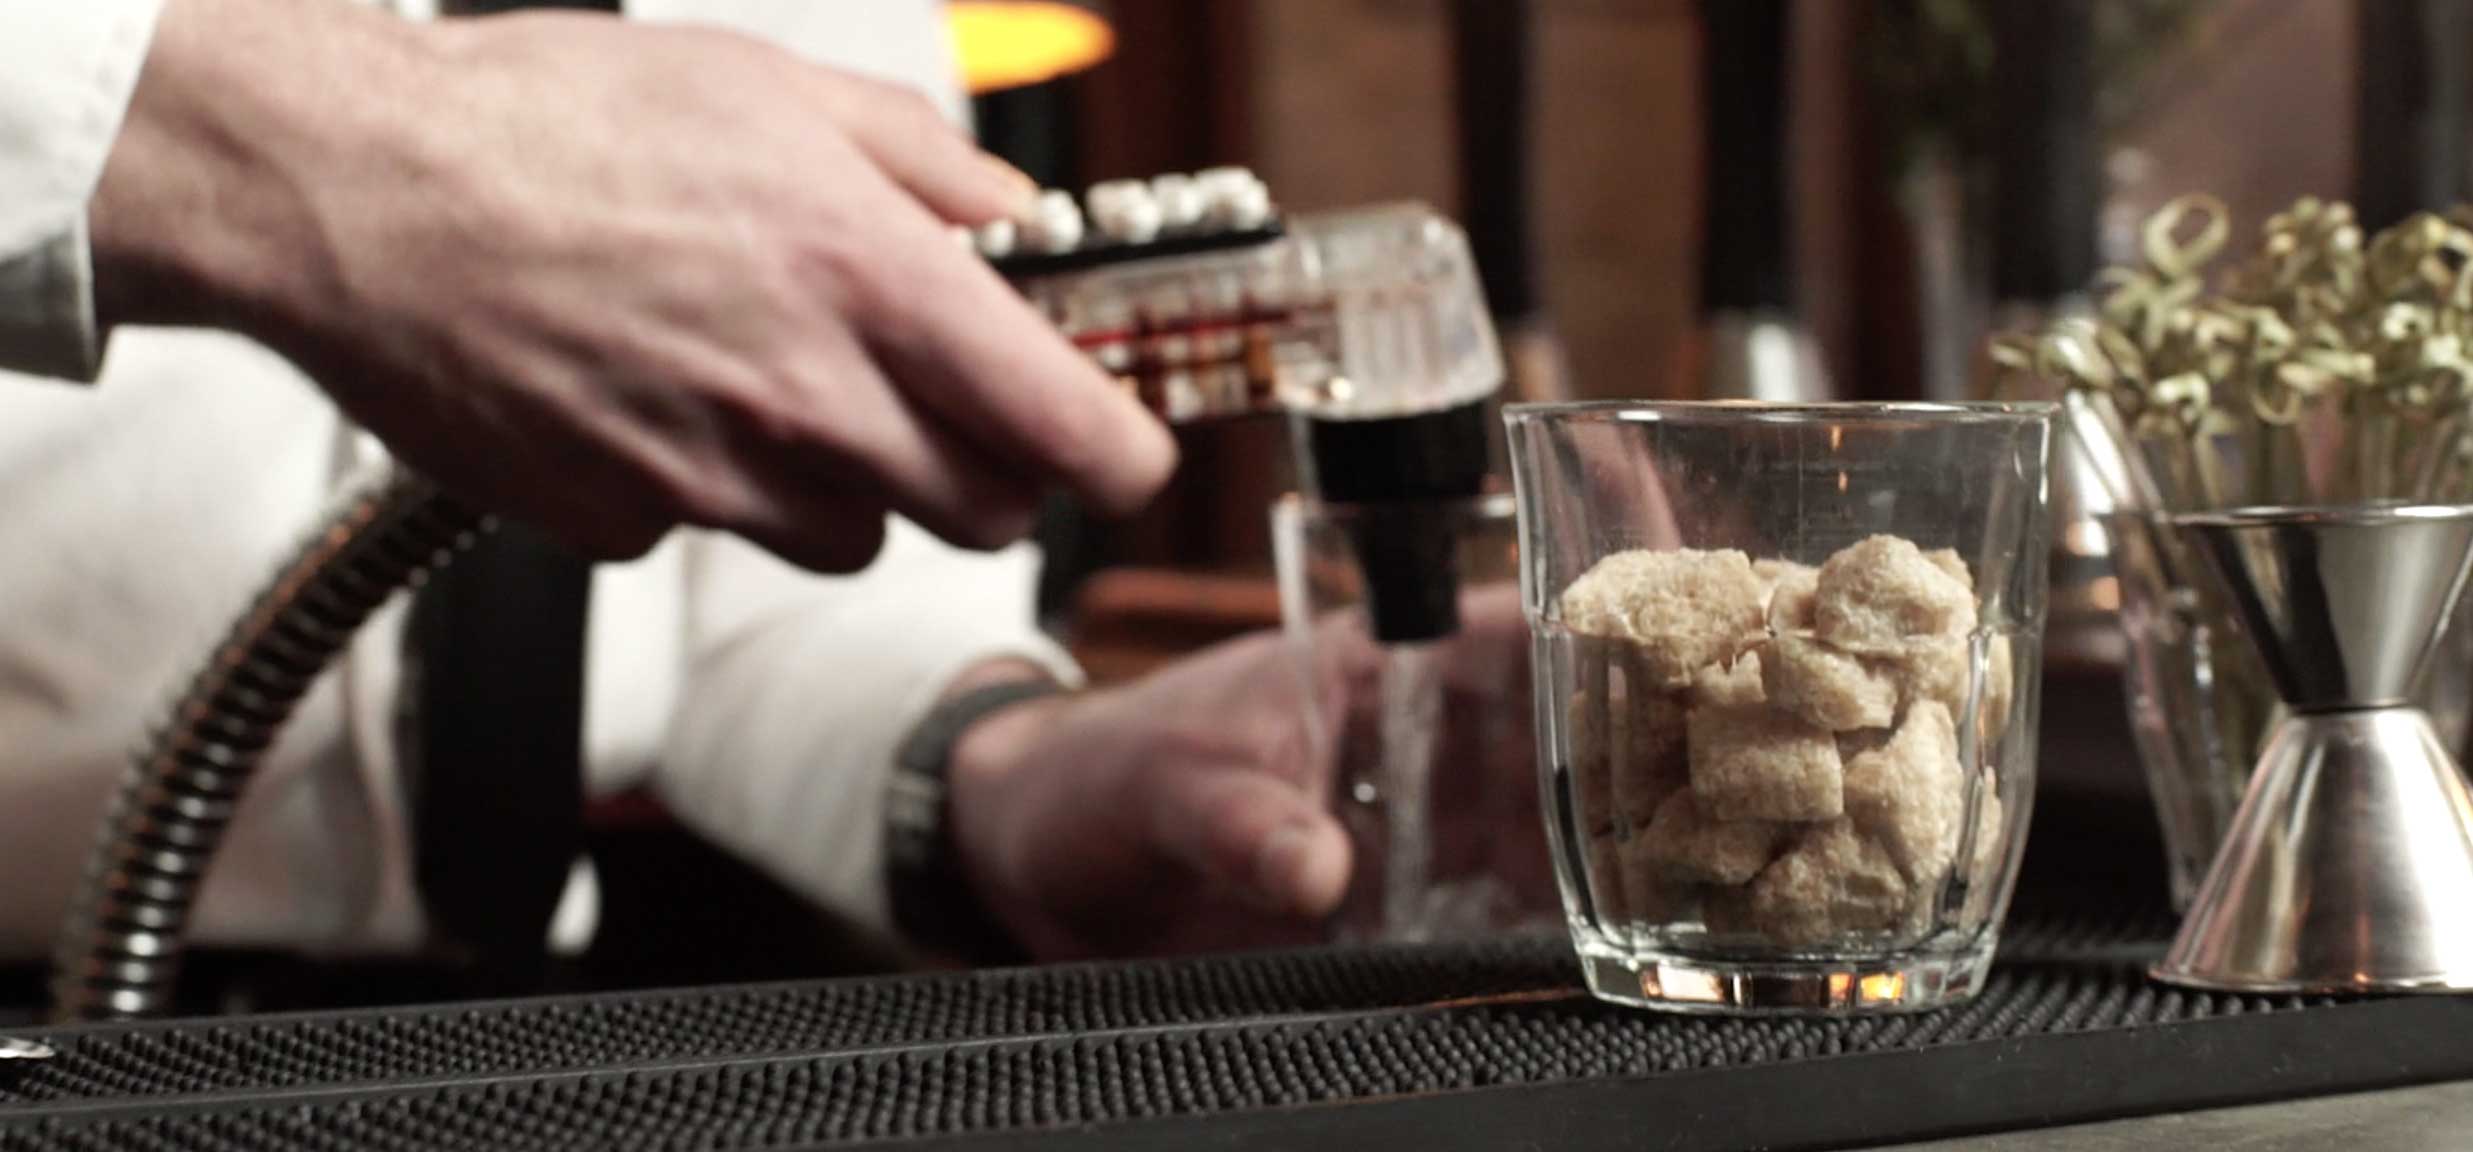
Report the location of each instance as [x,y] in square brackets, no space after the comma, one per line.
[1183,812]
[610,278]
[1485,829]
[1191,810]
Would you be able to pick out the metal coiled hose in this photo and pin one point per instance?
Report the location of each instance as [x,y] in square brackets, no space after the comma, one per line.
[120,953]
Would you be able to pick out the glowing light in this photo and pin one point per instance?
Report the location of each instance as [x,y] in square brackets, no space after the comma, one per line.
[1665,982]
[1011,43]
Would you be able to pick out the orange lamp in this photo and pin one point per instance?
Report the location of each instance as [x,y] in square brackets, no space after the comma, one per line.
[1010,43]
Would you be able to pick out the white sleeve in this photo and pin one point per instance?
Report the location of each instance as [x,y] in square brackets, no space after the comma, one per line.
[800,688]
[67,68]
[903,41]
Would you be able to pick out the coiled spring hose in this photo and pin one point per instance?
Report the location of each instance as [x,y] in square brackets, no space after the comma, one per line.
[120,952]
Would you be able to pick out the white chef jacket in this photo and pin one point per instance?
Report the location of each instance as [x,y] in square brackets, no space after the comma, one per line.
[138,515]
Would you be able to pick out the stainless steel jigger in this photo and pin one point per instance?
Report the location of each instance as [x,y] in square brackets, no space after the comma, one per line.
[2349,867]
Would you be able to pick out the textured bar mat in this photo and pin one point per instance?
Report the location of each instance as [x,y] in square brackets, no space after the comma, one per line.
[1484,1046]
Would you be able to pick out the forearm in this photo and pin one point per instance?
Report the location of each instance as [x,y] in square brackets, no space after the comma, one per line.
[609,279]
[209,212]
[66,73]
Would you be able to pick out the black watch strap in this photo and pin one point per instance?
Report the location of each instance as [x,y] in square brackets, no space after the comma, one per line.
[933,902]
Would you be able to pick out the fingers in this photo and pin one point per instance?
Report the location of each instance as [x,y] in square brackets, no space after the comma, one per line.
[927,155]
[1254,834]
[829,535]
[905,459]
[962,345]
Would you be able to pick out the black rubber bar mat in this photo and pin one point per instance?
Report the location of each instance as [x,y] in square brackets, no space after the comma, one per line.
[1452,1046]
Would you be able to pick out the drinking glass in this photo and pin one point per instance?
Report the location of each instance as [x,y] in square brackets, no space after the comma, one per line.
[1786,667]
[1430,742]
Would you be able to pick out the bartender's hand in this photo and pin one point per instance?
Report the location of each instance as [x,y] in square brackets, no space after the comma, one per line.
[610,278]
[1182,812]
[1189,810]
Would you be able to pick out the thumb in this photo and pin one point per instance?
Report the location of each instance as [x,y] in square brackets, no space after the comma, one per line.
[1256,834]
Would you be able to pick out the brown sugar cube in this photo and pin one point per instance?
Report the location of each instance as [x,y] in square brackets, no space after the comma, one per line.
[1592,785]
[1657,899]
[1728,912]
[1604,880]
[1910,794]
[1790,601]
[1596,602]
[1922,918]
[1934,668]
[1834,880]
[1878,595]
[1648,769]
[1761,764]
[1948,560]
[1941,668]
[1683,845]
[1826,687]
[1738,685]
[1774,574]
[1646,761]
[1860,741]
[1588,730]
[1685,609]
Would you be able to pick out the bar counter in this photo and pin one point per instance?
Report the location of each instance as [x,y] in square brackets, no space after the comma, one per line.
[1487,1045]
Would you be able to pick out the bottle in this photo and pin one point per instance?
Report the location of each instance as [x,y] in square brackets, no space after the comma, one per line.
[1749,344]
[2409,156]
[2408,138]
[1493,57]
[2046,205]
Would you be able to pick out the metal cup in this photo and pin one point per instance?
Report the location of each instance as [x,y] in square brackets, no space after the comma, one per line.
[2349,866]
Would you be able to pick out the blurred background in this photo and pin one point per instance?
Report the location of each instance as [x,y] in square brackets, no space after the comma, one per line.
[1622,166]
[1886,180]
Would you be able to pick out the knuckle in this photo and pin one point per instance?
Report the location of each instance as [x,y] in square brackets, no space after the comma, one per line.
[712,495]
[780,417]
[781,414]
[892,293]
[995,524]
[1273,746]
[907,108]
[881,110]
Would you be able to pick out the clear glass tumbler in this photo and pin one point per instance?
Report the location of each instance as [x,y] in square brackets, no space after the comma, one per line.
[1431,743]
[1787,683]
[2200,704]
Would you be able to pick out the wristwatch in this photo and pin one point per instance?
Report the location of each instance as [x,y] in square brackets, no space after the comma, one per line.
[933,902]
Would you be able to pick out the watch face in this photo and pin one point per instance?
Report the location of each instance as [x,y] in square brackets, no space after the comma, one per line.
[913,806]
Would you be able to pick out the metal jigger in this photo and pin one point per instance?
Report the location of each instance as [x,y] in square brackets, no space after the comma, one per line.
[2349,867]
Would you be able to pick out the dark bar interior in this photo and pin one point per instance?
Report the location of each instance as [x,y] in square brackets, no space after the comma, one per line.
[1699,574]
